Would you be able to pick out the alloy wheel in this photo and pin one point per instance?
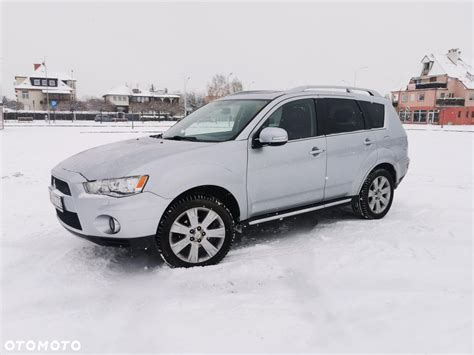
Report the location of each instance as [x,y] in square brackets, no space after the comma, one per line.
[379,194]
[197,235]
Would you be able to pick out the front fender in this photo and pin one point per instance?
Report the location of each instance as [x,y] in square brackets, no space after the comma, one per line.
[224,165]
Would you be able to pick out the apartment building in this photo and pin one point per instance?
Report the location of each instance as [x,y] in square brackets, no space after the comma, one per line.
[442,92]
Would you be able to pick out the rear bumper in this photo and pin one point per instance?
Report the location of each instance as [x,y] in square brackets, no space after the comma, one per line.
[86,215]
[403,166]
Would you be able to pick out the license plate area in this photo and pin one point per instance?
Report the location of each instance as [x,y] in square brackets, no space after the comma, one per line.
[56,200]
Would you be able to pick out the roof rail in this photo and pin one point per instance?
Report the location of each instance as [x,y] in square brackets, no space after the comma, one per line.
[252,92]
[348,89]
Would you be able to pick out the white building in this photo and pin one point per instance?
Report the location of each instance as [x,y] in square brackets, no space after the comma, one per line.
[34,90]
[122,96]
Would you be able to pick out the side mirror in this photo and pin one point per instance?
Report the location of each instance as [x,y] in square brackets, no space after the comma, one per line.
[273,136]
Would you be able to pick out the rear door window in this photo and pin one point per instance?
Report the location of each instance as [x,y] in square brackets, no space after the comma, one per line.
[342,116]
[374,112]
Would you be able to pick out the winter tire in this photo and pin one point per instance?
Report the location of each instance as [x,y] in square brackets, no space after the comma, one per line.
[376,196]
[196,230]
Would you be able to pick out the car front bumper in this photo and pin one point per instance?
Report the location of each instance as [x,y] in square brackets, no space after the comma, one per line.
[87,215]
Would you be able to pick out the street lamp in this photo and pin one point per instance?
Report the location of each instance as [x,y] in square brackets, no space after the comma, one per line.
[228,82]
[355,73]
[186,79]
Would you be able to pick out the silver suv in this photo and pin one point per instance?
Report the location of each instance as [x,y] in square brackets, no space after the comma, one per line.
[247,158]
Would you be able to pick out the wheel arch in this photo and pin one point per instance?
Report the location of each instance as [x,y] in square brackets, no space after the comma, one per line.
[383,165]
[218,192]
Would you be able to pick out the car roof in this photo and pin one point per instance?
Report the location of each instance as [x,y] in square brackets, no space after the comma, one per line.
[304,90]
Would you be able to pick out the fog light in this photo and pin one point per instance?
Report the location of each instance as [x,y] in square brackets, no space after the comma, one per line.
[114,225]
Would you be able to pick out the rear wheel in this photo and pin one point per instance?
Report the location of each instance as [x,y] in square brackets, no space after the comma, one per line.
[197,230]
[376,196]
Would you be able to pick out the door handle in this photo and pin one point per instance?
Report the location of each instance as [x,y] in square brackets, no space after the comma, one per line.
[316,151]
[367,141]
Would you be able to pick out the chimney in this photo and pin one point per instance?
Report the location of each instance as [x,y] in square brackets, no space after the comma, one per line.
[454,54]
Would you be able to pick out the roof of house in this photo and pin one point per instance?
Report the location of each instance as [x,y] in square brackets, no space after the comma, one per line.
[119,90]
[443,65]
[127,91]
[60,89]
[40,72]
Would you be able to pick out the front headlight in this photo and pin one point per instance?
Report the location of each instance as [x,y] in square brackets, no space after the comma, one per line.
[117,187]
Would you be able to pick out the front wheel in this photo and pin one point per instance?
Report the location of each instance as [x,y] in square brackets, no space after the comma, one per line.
[376,196]
[197,230]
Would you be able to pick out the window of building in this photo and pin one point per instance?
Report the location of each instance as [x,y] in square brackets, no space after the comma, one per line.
[459,114]
[419,116]
[426,68]
[412,97]
[343,115]
[52,83]
[25,95]
[421,96]
[433,79]
[375,113]
[451,94]
[472,114]
[405,116]
[442,95]
[44,82]
[404,97]
[467,114]
[296,117]
[471,96]
[37,82]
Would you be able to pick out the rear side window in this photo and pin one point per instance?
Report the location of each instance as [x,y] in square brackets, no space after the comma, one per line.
[343,115]
[375,113]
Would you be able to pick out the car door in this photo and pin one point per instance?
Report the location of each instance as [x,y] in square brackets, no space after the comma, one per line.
[291,175]
[351,146]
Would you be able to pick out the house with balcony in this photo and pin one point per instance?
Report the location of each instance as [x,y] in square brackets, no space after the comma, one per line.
[41,86]
[441,92]
[122,97]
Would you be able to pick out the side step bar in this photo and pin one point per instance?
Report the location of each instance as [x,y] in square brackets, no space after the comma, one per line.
[296,212]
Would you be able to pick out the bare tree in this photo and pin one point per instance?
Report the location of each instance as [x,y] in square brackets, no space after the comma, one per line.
[96,104]
[219,87]
[235,86]
[12,104]
[195,100]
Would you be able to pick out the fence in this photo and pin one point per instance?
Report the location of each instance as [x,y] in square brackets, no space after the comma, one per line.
[22,115]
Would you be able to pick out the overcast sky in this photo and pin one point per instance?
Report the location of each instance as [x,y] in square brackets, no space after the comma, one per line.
[266,45]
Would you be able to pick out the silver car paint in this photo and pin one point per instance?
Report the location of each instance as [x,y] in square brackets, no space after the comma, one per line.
[261,180]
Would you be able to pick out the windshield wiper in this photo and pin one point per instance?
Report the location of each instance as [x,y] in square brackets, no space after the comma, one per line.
[181,138]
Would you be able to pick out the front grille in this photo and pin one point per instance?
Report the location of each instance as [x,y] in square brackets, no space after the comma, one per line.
[69,218]
[61,185]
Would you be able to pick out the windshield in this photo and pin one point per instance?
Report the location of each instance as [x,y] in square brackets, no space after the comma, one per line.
[218,121]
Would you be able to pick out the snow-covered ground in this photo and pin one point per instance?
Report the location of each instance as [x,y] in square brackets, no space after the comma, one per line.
[324,282]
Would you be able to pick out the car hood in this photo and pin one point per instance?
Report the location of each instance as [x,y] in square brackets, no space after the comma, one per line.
[123,158]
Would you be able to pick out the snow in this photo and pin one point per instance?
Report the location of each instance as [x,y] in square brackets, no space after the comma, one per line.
[323,282]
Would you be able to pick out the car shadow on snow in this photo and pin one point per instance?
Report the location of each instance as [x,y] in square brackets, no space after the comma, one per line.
[291,227]
[124,260]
